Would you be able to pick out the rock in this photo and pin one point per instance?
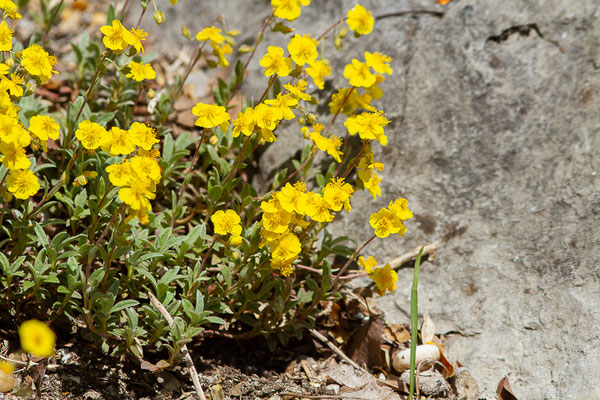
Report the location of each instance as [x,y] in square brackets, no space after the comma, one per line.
[494,140]
[464,385]
[431,383]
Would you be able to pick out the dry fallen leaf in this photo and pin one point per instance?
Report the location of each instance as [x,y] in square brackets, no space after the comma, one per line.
[504,391]
[365,345]
[427,329]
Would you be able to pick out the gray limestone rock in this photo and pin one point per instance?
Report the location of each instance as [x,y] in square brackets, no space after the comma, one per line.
[495,142]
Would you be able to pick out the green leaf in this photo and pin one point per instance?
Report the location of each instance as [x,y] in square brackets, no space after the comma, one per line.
[110,15]
[123,304]
[41,235]
[326,279]
[214,193]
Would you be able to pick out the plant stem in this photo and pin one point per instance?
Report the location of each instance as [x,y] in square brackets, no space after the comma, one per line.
[322,35]
[356,160]
[67,142]
[51,22]
[55,187]
[345,267]
[414,321]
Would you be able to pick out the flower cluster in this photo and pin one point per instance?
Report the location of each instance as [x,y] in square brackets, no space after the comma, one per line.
[287,214]
[218,43]
[137,175]
[391,220]
[35,63]
[118,38]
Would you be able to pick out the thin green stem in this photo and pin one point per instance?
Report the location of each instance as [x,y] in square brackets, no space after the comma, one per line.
[51,22]
[414,321]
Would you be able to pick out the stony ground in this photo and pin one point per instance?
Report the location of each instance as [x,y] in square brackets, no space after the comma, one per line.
[495,142]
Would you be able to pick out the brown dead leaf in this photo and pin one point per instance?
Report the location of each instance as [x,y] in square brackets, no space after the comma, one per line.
[449,368]
[397,333]
[365,344]
[347,375]
[504,391]
[427,329]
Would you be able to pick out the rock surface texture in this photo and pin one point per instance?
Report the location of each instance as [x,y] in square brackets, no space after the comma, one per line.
[495,142]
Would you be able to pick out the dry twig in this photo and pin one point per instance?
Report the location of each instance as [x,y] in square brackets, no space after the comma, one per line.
[184,349]
[428,250]
[335,349]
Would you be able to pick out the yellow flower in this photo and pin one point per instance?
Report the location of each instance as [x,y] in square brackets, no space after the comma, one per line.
[367,264]
[139,71]
[12,85]
[329,145]
[139,35]
[226,222]
[38,62]
[385,278]
[284,102]
[292,198]
[219,51]
[297,91]
[211,116]
[142,135]
[386,223]
[119,141]
[136,195]
[367,164]
[337,194]
[303,49]
[360,20]
[275,218]
[288,9]
[146,168]
[318,70]
[379,62]
[285,249]
[275,63]
[235,240]
[6,35]
[210,33]
[22,183]
[120,174]
[44,127]
[359,74]
[82,180]
[244,123]
[14,156]
[369,126]
[267,117]
[11,131]
[317,208]
[37,338]
[116,37]
[90,134]
[399,208]
[347,104]
[372,185]
[8,5]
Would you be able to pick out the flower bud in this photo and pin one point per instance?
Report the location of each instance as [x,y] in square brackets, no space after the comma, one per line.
[151,93]
[159,17]
[302,121]
[213,140]
[311,119]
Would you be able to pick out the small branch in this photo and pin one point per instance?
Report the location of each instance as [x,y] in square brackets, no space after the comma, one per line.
[428,250]
[335,349]
[435,13]
[51,22]
[184,349]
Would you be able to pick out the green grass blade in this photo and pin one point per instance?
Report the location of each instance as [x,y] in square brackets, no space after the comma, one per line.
[414,321]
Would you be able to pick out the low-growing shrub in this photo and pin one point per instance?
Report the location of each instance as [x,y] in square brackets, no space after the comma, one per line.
[102,206]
